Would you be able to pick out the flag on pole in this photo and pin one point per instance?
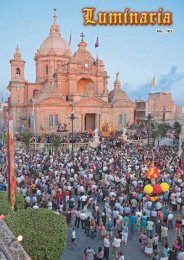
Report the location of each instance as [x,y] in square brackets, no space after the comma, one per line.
[152,83]
[70,40]
[11,173]
[97,43]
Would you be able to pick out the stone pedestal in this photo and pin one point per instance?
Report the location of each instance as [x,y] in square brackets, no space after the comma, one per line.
[181,140]
[96,139]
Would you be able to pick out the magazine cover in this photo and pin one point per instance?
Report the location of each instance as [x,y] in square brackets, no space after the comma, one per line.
[91,129]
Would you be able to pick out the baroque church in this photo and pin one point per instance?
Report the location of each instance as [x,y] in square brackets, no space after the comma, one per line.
[66,83]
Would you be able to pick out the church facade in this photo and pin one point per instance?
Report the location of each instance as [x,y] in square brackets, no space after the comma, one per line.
[66,82]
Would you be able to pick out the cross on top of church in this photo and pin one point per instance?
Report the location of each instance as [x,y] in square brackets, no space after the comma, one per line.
[82,36]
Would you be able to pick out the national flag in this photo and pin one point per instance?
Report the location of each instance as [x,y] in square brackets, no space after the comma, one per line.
[70,40]
[97,43]
[11,173]
[152,83]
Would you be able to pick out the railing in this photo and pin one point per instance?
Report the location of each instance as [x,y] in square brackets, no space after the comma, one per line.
[50,148]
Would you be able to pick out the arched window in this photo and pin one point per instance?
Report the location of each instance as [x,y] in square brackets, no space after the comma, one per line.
[35,92]
[17,72]
[50,120]
[120,119]
[47,70]
[56,120]
[124,119]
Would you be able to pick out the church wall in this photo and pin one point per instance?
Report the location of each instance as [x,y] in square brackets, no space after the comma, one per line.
[30,89]
[63,84]
[126,118]
[156,103]
[44,112]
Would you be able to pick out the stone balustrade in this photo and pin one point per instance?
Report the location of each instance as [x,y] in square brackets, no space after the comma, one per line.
[9,246]
[49,147]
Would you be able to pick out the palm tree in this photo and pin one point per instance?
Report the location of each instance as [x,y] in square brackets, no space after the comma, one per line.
[163,128]
[26,137]
[155,135]
[56,141]
[177,127]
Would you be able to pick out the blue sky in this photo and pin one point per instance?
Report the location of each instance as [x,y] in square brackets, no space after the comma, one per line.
[136,52]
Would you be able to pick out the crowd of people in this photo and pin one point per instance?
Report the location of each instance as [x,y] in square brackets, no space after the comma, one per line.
[101,193]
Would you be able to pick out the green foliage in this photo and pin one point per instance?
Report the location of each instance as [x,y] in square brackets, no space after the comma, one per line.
[177,127]
[43,231]
[5,138]
[155,134]
[56,141]
[5,207]
[163,128]
[26,137]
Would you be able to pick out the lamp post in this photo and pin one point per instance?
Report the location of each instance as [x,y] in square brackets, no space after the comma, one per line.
[149,118]
[72,117]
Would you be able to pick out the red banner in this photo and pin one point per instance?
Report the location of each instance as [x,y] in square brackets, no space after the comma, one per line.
[12,181]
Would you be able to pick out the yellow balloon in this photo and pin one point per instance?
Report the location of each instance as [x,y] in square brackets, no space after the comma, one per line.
[148,189]
[164,186]
[154,198]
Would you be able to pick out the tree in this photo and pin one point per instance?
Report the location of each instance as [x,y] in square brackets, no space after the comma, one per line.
[163,128]
[56,141]
[26,137]
[155,135]
[5,138]
[177,127]
[44,232]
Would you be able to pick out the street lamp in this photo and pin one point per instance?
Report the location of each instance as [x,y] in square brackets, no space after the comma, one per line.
[149,118]
[72,117]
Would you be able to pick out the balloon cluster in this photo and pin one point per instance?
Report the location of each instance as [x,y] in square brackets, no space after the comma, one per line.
[152,173]
[155,189]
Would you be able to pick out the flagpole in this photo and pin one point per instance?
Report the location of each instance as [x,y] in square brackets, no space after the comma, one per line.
[34,122]
[8,150]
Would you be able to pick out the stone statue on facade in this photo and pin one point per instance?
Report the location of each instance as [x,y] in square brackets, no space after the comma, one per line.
[96,141]
[96,132]
[124,136]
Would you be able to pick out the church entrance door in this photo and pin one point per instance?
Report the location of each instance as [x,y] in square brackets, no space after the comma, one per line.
[90,121]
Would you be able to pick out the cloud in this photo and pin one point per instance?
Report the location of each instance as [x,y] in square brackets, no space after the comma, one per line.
[172,81]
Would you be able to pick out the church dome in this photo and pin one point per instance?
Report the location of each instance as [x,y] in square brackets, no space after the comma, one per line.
[54,43]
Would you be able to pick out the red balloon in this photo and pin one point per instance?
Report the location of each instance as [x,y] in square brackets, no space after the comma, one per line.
[157,189]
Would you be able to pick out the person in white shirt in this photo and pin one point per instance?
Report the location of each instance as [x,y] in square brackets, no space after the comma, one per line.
[121,256]
[73,236]
[107,244]
[35,206]
[83,198]
[170,220]
[28,199]
[116,246]
[49,204]
[82,218]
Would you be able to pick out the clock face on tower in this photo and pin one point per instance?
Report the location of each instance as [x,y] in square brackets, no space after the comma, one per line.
[86,65]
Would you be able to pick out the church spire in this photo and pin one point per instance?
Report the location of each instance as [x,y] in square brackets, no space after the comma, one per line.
[82,44]
[17,66]
[17,54]
[54,30]
[117,82]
